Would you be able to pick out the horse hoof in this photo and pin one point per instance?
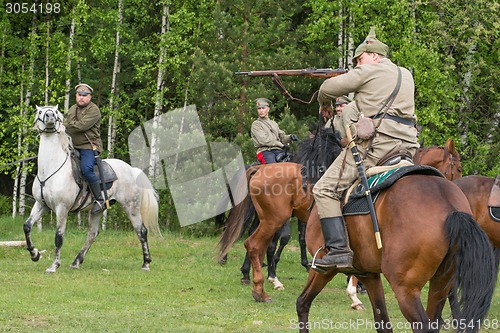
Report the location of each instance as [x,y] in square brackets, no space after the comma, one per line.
[358,306]
[145,268]
[264,298]
[50,270]
[35,256]
[74,266]
[282,287]
[245,281]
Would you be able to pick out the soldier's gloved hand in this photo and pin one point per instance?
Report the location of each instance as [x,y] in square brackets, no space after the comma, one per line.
[293,137]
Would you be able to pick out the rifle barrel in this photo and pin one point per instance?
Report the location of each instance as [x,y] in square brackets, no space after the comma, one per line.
[308,72]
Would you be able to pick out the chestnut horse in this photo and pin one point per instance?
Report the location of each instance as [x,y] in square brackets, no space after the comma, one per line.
[429,246]
[477,189]
[276,192]
[446,159]
[441,244]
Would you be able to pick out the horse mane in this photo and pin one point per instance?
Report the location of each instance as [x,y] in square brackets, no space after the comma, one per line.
[65,139]
[316,154]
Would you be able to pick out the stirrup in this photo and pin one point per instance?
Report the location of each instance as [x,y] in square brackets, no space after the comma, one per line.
[313,263]
[98,207]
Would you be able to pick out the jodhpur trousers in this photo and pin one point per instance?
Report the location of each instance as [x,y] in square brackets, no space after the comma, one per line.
[340,175]
[87,161]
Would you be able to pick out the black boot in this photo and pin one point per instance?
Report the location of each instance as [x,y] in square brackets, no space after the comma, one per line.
[99,205]
[339,253]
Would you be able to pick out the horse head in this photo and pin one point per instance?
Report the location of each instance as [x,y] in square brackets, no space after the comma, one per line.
[446,159]
[48,119]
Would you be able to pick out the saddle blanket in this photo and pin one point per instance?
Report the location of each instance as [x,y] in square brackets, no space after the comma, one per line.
[358,204]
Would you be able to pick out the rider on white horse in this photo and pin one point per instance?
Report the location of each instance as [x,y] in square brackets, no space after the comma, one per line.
[83,126]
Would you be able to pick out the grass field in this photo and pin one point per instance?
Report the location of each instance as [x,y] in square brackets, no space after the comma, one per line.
[185,291]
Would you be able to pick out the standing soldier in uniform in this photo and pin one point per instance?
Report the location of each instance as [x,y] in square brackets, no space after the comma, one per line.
[83,126]
[373,80]
[266,135]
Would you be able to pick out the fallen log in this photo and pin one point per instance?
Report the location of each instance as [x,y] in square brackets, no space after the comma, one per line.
[13,243]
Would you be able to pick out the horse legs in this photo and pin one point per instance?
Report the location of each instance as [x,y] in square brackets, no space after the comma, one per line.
[36,213]
[303,247]
[273,257]
[256,246]
[142,233]
[439,289]
[315,283]
[352,286]
[375,290]
[62,215]
[408,297]
[245,270]
[93,231]
[245,267]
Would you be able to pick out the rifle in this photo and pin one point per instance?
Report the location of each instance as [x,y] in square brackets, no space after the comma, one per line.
[307,72]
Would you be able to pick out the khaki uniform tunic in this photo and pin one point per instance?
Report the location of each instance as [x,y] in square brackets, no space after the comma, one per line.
[266,135]
[83,124]
[372,85]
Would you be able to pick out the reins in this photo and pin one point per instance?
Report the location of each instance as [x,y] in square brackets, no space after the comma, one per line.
[42,183]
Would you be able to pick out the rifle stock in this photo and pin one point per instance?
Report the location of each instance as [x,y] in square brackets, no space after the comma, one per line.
[307,72]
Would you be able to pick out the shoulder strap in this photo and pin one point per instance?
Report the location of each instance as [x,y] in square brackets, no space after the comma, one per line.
[390,99]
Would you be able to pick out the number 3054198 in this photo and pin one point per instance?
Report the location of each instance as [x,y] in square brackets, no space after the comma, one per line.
[34,8]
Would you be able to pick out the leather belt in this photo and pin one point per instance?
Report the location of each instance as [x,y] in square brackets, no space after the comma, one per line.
[395,118]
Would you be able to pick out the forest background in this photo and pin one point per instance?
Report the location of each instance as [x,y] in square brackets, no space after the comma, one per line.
[146,58]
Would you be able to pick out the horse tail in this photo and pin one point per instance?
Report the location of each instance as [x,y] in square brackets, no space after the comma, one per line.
[475,273]
[239,216]
[149,206]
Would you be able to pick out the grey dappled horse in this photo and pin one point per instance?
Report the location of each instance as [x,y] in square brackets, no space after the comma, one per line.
[55,189]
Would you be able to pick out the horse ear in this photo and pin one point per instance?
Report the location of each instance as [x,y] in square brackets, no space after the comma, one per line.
[450,144]
[421,143]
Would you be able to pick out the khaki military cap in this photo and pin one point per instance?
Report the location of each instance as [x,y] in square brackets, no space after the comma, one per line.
[84,89]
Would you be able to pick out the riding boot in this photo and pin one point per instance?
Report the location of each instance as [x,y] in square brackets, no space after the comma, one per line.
[337,242]
[99,205]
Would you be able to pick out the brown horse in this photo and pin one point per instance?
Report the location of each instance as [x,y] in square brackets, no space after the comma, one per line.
[441,244]
[278,191]
[429,246]
[477,189]
[446,159]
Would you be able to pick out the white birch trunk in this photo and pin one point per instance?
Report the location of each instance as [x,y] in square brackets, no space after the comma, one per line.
[23,147]
[154,164]
[68,63]
[111,120]
[116,70]
[47,46]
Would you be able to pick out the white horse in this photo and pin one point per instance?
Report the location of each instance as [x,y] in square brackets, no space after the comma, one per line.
[55,189]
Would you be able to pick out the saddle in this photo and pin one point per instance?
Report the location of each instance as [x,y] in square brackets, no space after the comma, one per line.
[494,200]
[357,203]
[108,172]
[109,177]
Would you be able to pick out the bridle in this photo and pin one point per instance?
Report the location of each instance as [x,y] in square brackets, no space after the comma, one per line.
[453,162]
[452,165]
[52,126]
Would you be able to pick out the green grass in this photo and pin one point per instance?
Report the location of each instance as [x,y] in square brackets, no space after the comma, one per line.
[185,291]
